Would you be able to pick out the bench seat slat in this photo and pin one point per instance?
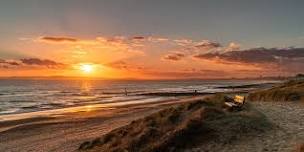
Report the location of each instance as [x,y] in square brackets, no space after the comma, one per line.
[231,104]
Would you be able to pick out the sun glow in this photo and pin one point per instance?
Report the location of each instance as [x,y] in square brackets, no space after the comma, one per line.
[87,68]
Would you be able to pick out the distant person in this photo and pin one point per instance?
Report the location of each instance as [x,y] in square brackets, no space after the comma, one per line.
[126,92]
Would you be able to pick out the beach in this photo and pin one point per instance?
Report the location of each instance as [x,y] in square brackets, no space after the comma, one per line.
[151,76]
[66,128]
[67,131]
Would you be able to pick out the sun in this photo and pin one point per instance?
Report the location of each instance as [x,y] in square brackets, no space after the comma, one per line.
[86,68]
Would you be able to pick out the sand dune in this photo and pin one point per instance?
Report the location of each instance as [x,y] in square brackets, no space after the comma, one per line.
[289,91]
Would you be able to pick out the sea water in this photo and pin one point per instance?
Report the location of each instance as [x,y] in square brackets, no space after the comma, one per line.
[29,95]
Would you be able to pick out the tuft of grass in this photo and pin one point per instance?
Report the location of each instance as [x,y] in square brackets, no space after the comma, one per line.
[289,91]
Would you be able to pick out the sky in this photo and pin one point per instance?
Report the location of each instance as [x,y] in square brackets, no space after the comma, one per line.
[145,39]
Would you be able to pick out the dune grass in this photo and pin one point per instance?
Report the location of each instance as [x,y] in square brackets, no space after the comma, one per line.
[289,91]
[299,148]
[181,127]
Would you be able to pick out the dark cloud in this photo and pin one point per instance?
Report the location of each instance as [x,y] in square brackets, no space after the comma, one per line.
[256,56]
[138,38]
[30,62]
[8,63]
[41,62]
[13,63]
[59,39]
[174,56]
[288,59]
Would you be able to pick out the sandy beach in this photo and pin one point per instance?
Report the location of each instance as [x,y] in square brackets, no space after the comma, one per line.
[65,132]
[68,131]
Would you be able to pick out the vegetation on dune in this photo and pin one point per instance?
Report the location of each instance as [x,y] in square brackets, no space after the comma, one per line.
[180,127]
[290,91]
[299,76]
[300,148]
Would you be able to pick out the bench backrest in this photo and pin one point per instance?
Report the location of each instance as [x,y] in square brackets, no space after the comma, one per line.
[239,99]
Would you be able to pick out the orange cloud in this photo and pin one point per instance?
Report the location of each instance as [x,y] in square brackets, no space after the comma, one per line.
[207,45]
[123,65]
[58,39]
[21,63]
[41,62]
[122,56]
[138,38]
[174,56]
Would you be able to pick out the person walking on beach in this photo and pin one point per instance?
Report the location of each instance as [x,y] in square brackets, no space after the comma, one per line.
[126,93]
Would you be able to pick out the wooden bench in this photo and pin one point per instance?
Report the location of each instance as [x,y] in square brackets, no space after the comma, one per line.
[237,102]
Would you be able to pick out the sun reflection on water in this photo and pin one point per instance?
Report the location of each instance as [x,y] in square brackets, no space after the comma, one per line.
[86,86]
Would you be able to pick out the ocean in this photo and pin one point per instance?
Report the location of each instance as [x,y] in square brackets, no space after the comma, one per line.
[24,96]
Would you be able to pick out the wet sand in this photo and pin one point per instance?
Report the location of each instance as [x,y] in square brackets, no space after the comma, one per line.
[66,131]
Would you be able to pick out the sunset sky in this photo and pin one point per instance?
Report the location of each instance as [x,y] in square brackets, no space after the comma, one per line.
[151,39]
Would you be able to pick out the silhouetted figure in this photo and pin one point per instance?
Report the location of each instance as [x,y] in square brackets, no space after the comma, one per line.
[126,92]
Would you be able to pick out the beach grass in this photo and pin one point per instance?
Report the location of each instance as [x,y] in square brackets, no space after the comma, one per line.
[180,127]
[289,91]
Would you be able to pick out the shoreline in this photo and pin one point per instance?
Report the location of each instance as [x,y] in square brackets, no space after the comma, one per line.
[13,104]
[66,132]
[74,109]
[65,129]
[156,97]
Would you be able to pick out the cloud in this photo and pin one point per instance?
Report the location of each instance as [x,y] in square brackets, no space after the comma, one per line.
[233,46]
[157,39]
[30,62]
[138,38]
[14,63]
[257,55]
[207,45]
[115,39]
[97,41]
[58,39]
[41,62]
[174,56]
[291,59]
[134,42]
[195,46]
[184,42]
[118,65]
[123,65]
[8,63]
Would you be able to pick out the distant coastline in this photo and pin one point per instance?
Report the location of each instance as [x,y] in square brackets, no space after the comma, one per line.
[139,79]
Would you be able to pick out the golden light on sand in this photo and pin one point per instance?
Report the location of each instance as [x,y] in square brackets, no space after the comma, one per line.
[86,68]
